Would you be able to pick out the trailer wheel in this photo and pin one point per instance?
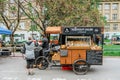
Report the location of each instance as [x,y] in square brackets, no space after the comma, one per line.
[80,67]
[89,66]
[42,63]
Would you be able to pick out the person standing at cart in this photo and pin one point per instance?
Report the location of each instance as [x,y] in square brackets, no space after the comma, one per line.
[28,51]
[98,40]
[45,45]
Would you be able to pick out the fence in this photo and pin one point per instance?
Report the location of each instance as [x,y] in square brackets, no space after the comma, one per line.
[9,50]
[13,51]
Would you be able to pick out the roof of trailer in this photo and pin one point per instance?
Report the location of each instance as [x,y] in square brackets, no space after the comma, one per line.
[53,29]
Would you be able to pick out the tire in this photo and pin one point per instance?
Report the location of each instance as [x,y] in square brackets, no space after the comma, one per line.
[89,66]
[80,67]
[42,63]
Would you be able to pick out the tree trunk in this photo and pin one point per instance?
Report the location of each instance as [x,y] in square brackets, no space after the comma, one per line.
[12,39]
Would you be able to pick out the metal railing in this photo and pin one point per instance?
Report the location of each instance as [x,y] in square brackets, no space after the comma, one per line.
[111,49]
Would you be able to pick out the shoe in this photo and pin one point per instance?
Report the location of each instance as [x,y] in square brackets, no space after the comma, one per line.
[29,73]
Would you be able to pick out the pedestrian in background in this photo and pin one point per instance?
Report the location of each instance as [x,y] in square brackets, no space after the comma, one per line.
[29,55]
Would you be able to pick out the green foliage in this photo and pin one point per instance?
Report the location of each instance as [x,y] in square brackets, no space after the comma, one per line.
[2,0]
[73,13]
[33,28]
[13,8]
[29,4]
[106,40]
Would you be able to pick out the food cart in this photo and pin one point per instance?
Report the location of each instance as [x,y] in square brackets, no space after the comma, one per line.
[80,47]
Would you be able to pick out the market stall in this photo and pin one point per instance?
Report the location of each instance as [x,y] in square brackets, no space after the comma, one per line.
[4,51]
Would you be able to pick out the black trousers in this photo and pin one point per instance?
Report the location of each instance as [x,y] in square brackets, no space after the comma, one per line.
[30,63]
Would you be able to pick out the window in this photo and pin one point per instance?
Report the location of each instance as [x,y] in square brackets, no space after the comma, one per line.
[21,0]
[23,36]
[2,25]
[115,6]
[22,13]
[115,26]
[22,25]
[100,7]
[33,11]
[34,36]
[32,23]
[11,1]
[114,16]
[21,10]
[5,12]
[107,6]
[13,14]
[107,16]
[13,26]
[107,36]
[107,27]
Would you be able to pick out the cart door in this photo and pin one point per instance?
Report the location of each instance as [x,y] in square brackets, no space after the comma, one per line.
[78,54]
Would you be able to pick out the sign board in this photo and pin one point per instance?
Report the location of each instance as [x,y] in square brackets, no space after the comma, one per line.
[94,57]
[81,30]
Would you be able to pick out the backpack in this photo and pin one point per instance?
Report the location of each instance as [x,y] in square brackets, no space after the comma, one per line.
[29,53]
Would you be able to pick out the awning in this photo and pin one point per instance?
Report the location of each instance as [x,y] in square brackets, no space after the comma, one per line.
[53,30]
[5,31]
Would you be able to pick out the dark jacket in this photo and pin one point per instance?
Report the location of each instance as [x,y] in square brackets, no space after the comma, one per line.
[45,43]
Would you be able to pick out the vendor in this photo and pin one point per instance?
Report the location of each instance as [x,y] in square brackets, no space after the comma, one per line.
[98,40]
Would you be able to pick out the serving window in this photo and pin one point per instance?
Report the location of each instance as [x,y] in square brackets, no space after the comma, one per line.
[78,41]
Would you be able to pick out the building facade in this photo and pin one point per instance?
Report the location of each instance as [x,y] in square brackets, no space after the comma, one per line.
[110,9]
[23,31]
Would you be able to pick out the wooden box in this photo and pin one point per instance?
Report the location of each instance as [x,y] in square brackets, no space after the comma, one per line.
[56,56]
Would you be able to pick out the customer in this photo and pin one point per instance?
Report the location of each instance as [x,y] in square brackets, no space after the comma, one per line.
[29,55]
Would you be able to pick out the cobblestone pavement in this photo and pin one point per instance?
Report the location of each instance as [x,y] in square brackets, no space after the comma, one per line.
[13,68]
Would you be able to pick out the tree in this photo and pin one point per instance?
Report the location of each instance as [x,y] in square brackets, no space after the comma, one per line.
[11,22]
[34,13]
[63,13]
[73,13]
[1,7]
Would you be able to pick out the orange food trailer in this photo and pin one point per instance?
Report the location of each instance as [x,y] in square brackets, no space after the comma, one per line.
[80,47]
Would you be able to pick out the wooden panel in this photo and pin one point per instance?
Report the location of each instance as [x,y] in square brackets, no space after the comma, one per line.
[78,54]
[80,47]
[82,54]
[62,60]
[67,59]
[73,55]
